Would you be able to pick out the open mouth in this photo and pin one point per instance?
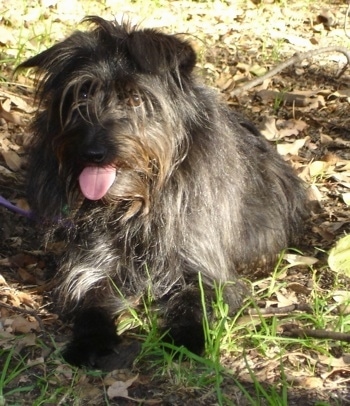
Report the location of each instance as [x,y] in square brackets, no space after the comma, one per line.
[95,181]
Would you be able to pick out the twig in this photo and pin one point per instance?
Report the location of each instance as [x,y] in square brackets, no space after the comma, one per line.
[323,334]
[32,313]
[297,58]
[280,310]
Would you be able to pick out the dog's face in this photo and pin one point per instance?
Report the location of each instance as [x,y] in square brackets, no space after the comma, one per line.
[111,99]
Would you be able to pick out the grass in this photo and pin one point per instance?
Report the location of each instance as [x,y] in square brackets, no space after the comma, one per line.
[24,382]
[30,37]
[227,335]
[21,379]
[252,344]
[11,370]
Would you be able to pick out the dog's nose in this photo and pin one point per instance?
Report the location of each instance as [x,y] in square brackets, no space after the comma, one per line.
[95,154]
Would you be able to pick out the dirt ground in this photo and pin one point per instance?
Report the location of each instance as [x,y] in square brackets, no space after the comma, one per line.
[304,110]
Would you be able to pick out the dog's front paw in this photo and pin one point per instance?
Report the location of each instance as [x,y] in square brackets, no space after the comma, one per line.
[183,320]
[96,345]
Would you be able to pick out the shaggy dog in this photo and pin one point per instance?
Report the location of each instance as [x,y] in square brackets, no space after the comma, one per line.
[153,181]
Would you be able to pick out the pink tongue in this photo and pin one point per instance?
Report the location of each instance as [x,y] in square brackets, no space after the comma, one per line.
[96,180]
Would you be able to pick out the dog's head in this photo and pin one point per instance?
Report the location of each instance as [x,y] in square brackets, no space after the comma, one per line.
[114,106]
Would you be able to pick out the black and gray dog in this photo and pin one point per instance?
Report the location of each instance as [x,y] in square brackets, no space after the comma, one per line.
[154,181]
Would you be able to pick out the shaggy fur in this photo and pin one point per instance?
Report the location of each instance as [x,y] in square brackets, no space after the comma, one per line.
[196,188]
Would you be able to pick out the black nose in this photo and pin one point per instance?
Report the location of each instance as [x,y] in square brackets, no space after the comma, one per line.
[94,154]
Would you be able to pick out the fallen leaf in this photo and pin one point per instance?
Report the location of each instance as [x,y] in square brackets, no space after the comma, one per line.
[339,256]
[343,178]
[12,159]
[334,362]
[292,148]
[28,340]
[298,41]
[36,361]
[257,70]
[341,296]
[269,129]
[311,382]
[318,168]
[22,325]
[296,259]
[120,388]
[284,300]
[6,36]
[10,116]
[26,299]
[3,281]
[325,139]
[5,172]
[290,127]
[346,198]
[341,141]
[315,194]
[343,299]
[18,101]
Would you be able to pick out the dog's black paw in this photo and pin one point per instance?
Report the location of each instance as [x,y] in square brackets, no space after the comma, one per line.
[183,320]
[188,335]
[95,343]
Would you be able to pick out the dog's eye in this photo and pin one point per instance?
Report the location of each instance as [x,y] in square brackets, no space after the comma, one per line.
[83,94]
[85,91]
[134,99]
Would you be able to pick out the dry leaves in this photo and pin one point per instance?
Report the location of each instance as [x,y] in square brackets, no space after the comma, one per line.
[120,388]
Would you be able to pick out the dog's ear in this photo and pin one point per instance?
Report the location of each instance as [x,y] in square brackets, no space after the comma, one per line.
[155,53]
[56,62]
[151,51]
[45,59]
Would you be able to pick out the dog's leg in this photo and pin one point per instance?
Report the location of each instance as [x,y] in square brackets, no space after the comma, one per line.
[95,343]
[94,336]
[182,319]
[183,314]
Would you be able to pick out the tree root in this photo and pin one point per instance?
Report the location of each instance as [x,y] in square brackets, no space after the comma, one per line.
[297,58]
[271,311]
[294,331]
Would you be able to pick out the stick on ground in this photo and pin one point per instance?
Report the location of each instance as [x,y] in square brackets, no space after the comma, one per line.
[293,331]
[297,58]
